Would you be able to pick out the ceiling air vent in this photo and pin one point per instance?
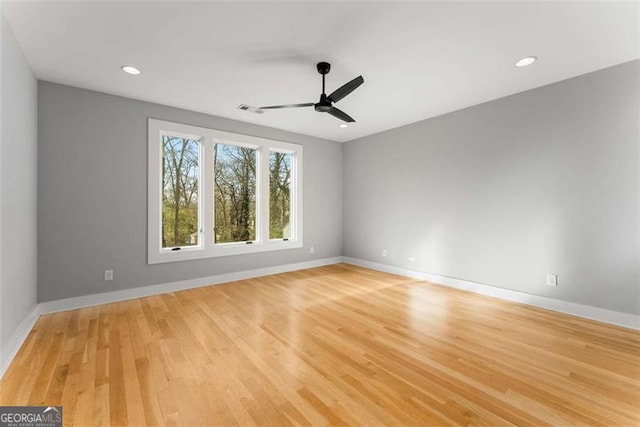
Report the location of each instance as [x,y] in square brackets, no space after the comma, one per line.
[250,108]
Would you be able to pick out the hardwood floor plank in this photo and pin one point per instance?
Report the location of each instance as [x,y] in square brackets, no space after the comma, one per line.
[334,345]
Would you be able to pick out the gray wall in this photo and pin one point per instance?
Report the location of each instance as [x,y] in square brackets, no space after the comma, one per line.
[18,218]
[501,193]
[504,192]
[92,216]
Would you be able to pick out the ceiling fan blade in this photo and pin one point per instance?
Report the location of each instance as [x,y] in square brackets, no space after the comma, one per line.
[335,112]
[273,107]
[346,89]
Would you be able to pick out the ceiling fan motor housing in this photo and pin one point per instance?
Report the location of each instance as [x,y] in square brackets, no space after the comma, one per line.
[324,105]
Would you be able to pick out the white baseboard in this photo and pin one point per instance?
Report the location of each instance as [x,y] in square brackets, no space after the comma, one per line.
[145,291]
[626,320]
[18,337]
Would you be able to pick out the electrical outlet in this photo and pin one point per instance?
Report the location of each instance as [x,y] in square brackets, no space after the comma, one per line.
[412,259]
[312,249]
[552,279]
[384,252]
[108,275]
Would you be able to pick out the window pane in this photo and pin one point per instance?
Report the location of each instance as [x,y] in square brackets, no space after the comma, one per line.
[279,195]
[235,193]
[180,191]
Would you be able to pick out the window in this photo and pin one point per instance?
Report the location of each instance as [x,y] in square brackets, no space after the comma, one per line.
[235,193]
[215,193]
[180,180]
[279,195]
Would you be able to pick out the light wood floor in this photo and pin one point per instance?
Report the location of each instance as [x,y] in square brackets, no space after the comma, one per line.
[330,345]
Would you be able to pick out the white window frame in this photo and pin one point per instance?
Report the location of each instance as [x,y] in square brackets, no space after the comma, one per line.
[206,247]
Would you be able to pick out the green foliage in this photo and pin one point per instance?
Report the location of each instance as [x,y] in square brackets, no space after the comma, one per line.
[187,225]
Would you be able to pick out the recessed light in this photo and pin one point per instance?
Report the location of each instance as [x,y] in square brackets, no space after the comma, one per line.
[129,69]
[344,125]
[526,61]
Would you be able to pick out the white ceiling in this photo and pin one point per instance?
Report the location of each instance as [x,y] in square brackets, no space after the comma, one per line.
[418,60]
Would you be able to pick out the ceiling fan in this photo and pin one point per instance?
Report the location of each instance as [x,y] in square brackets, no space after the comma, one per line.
[325,104]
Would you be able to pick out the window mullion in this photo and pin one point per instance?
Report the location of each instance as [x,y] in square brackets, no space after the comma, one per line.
[293,204]
[264,194]
[208,219]
[296,202]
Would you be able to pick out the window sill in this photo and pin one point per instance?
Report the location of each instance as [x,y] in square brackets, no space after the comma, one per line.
[186,254]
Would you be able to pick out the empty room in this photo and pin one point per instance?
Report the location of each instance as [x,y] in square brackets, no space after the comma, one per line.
[319,213]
